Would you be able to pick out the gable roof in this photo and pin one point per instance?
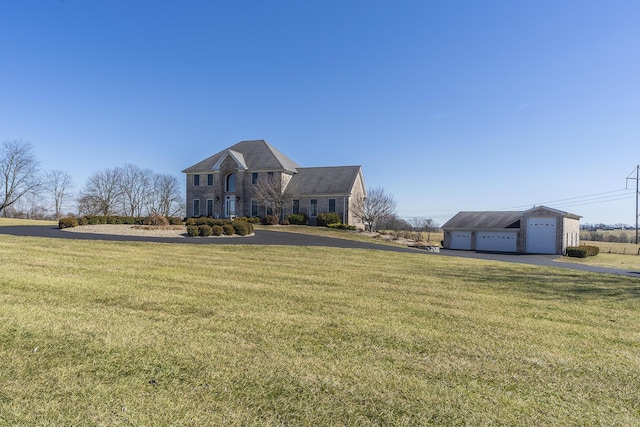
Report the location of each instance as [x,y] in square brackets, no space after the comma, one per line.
[325,180]
[256,154]
[498,219]
[485,219]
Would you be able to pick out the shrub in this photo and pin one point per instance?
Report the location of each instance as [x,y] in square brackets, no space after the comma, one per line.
[83,221]
[217,230]
[228,230]
[68,222]
[297,219]
[270,220]
[156,220]
[326,218]
[242,228]
[284,222]
[193,230]
[175,220]
[191,221]
[340,226]
[582,251]
[250,220]
[205,230]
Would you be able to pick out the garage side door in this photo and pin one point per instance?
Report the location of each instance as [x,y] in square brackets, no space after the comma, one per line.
[541,235]
[461,240]
[497,241]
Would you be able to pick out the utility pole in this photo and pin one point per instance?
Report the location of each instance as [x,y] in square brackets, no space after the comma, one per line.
[637,178]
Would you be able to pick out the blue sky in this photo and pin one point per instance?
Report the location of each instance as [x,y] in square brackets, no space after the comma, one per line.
[448,105]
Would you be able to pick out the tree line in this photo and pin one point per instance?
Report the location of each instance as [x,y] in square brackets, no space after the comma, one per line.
[29,192]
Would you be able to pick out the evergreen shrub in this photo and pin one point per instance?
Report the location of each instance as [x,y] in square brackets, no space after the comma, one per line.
[67,222]
[242,228]
[297,219]
[193,230]
[326,218]
[175,220]
[217,230]
[270,220]
[205,230]
[582,251]
[228,229]
[340,226]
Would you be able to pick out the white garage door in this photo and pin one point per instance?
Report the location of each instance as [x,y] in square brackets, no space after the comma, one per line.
[541,235]
[461,240]
[497,241]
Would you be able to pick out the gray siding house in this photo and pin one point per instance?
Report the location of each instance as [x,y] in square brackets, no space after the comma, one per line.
[220,186]
[540,230]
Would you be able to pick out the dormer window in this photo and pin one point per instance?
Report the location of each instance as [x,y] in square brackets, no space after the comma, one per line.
[230,183]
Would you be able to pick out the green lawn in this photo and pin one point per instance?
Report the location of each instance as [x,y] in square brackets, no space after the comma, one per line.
[144,334]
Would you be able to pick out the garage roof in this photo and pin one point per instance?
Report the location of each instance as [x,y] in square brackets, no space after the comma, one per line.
[484,219]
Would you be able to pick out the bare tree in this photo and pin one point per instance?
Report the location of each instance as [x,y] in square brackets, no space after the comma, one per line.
[136,189]
[101,193]
[375,207]
[165,199]
[58,184]
[19,172]
[271,192]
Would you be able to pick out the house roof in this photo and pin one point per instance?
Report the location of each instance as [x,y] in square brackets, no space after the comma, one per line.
[485,219]
[256,154]
[325,180]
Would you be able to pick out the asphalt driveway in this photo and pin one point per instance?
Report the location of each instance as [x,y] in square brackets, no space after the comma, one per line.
[281,238]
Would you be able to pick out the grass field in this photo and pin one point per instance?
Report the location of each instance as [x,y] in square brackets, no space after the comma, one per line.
[615,248]
[112,333]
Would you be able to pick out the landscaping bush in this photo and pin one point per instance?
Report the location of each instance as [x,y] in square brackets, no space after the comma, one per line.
[191,221]
[204,230]
[326,218]
[284,222]
[217,230]
[340,226]
[270,220]
[67,222]
[297,219]
[83,221]
[250,220]
[242,228]
[175,220]
[156,220]
[193,230]
[582,251]
[228,230]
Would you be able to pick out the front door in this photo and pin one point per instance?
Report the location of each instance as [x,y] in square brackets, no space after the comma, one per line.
[229,206]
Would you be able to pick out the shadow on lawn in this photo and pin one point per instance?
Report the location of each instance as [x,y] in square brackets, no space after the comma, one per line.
[565,284]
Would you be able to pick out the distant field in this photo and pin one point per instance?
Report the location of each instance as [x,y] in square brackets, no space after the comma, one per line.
[114,333]
[615,248]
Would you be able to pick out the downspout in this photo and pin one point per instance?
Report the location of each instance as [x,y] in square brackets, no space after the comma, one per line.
[344,209]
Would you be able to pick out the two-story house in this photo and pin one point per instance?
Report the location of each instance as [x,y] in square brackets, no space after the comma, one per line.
[221,186]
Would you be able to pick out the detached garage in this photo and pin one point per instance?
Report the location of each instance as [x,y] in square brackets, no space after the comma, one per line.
[540,230]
